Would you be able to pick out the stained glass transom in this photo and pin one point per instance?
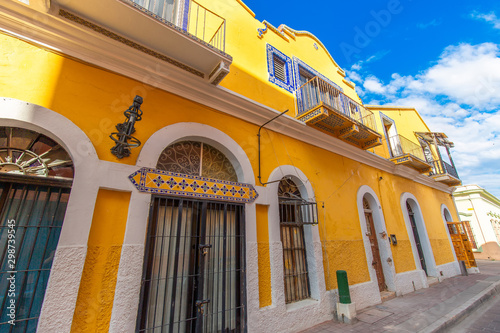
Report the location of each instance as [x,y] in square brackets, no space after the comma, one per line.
[198,159]
[26,152]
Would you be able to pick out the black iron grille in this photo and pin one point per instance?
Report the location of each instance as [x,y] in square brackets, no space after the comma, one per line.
[194,277]
[292,222]
[38,213]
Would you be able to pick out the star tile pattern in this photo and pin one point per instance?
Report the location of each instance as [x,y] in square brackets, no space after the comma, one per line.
[170,183]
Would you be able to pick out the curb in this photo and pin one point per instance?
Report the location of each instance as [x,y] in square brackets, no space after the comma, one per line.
[462,311]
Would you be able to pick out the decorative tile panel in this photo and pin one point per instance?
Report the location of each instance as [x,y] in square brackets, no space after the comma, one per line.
[372,143]
[325,128]
[402,160]
[334,121]
[288,84]
[170,183]
[314,116]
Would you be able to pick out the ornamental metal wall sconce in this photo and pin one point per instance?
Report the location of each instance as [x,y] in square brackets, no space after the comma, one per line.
[123,138]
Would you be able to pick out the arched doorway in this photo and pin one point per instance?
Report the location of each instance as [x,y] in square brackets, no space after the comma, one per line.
[416,236]
[36,175]
[372,236]
[194,277]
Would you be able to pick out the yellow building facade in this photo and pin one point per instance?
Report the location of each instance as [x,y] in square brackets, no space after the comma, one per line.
[215,210]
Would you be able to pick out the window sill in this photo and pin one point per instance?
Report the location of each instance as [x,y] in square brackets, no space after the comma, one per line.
[301,304]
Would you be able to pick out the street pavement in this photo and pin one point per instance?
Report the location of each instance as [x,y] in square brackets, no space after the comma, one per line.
[485,319]
[443,307]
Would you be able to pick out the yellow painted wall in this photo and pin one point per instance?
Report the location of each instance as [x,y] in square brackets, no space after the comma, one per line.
[97,287]
[95,99]
[407,121]
[265,297]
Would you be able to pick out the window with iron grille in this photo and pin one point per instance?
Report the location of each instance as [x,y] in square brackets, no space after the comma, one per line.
[35,182]
[294,214]
[194,276]
[194,265]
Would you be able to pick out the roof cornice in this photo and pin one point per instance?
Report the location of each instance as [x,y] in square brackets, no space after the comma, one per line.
[462,194]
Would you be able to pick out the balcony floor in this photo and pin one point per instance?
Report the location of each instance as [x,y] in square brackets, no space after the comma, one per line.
[413,162]
[341,126]
[447,179]
[147,33]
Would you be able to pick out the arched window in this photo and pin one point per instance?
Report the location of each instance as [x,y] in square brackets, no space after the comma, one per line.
[35,181]
[194,265]
[196,158]
[25,152]
[292,220]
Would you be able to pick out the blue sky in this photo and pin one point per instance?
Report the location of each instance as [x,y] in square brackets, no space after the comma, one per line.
[441,57]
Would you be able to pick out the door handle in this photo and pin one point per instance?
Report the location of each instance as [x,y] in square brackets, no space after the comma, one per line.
[204,248]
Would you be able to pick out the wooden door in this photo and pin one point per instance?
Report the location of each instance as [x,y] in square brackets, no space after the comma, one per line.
[461,243]
[376,262]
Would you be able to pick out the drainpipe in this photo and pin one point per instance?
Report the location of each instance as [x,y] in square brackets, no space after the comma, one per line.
[258,139]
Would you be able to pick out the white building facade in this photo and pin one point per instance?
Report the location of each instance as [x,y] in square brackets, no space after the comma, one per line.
[482,209]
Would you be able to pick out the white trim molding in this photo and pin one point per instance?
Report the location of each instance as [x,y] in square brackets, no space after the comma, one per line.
[282,317]
[127,292]
[383,243]
[430,262]
[444,212]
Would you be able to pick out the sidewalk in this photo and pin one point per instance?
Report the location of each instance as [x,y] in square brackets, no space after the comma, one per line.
[433,309]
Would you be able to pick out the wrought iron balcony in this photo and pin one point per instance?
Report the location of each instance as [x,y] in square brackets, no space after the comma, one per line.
[199,21]
[441,171]
[183,34]
[403,151]
[445,173]
[323,106]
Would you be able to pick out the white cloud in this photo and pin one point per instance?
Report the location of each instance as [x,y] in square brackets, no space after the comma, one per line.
[354,76]
[490,18]
[466,74]
[460,96]
[356,67]
[373,85]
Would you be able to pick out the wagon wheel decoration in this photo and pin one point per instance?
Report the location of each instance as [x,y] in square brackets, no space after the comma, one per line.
[29,153]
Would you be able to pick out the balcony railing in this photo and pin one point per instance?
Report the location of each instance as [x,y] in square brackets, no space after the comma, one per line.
[408,153]
[440,167]
[401,146]
[199,21]
[317,92]
[206,25]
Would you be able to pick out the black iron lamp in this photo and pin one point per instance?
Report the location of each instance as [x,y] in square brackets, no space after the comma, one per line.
[123,138]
